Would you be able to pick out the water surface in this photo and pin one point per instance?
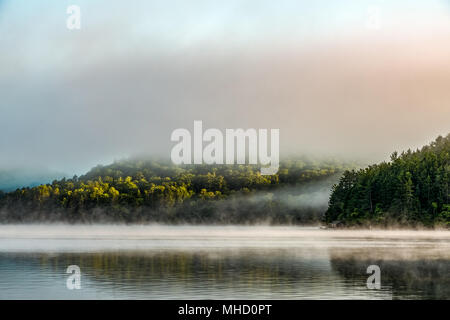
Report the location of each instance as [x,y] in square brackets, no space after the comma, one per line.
[216,262]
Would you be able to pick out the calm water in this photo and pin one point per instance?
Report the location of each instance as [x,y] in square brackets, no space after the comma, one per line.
[158,262]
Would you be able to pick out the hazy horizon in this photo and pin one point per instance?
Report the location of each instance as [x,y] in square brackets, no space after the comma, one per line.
[133,73]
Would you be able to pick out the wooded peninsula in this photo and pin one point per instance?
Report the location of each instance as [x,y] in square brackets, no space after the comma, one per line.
[410,190]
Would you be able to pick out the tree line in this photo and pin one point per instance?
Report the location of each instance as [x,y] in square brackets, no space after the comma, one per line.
[140,190]
[412,189]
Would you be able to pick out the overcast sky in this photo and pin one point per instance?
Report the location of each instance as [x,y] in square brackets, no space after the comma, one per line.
[326,75]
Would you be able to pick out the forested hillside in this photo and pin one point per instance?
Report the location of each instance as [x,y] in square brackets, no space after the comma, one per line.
[157,191]
[411,189]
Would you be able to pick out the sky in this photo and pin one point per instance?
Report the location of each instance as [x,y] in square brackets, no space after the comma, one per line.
[351,78]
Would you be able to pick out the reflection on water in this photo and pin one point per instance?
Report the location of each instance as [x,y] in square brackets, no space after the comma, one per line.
[290,263]
[421,273]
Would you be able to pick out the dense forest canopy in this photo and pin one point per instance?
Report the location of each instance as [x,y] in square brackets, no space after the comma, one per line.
[411,189]
[137,190]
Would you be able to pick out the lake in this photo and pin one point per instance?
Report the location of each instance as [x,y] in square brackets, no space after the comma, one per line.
[221,262]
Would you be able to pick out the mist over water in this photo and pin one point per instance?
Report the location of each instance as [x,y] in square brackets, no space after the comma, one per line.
[221,262]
